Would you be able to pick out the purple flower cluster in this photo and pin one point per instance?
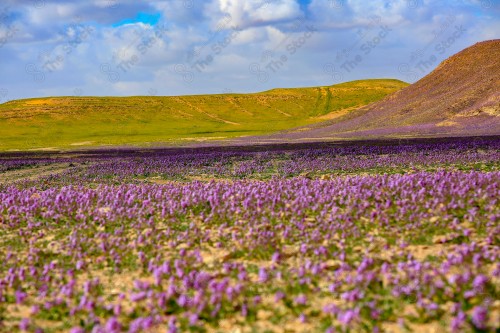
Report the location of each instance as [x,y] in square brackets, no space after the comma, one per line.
[358,252]
[156,166]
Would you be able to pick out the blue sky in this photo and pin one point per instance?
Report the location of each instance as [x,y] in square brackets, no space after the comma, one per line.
[178,47]
[146,18]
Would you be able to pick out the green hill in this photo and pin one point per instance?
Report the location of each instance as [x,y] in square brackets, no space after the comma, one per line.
[70,122]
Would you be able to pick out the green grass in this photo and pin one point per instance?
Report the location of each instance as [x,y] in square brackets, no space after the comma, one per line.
[71,122]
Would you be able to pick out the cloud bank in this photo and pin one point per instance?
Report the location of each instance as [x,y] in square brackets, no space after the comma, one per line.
[176,47]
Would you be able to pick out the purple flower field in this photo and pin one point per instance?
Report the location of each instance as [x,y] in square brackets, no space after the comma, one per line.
[374,238]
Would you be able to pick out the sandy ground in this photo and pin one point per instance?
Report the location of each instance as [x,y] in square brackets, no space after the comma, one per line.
[32,172]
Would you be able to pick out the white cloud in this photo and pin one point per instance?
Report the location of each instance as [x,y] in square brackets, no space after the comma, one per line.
[247,13]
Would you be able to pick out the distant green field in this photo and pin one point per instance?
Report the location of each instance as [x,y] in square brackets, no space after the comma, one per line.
[72,122]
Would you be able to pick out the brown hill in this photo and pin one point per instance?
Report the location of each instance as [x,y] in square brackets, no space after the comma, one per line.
[460,97]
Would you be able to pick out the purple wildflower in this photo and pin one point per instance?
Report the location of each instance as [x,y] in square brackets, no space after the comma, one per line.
[479,317]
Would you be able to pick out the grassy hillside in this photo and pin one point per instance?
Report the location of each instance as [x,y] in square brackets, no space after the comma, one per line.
[70,122]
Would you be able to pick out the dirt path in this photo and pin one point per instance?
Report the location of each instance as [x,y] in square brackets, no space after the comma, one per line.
[32,172]
[197,108]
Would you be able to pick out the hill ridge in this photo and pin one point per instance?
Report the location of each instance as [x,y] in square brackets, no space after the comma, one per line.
[148,120]
[459,97]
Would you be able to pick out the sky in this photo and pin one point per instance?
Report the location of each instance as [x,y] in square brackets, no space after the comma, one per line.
[187,47]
